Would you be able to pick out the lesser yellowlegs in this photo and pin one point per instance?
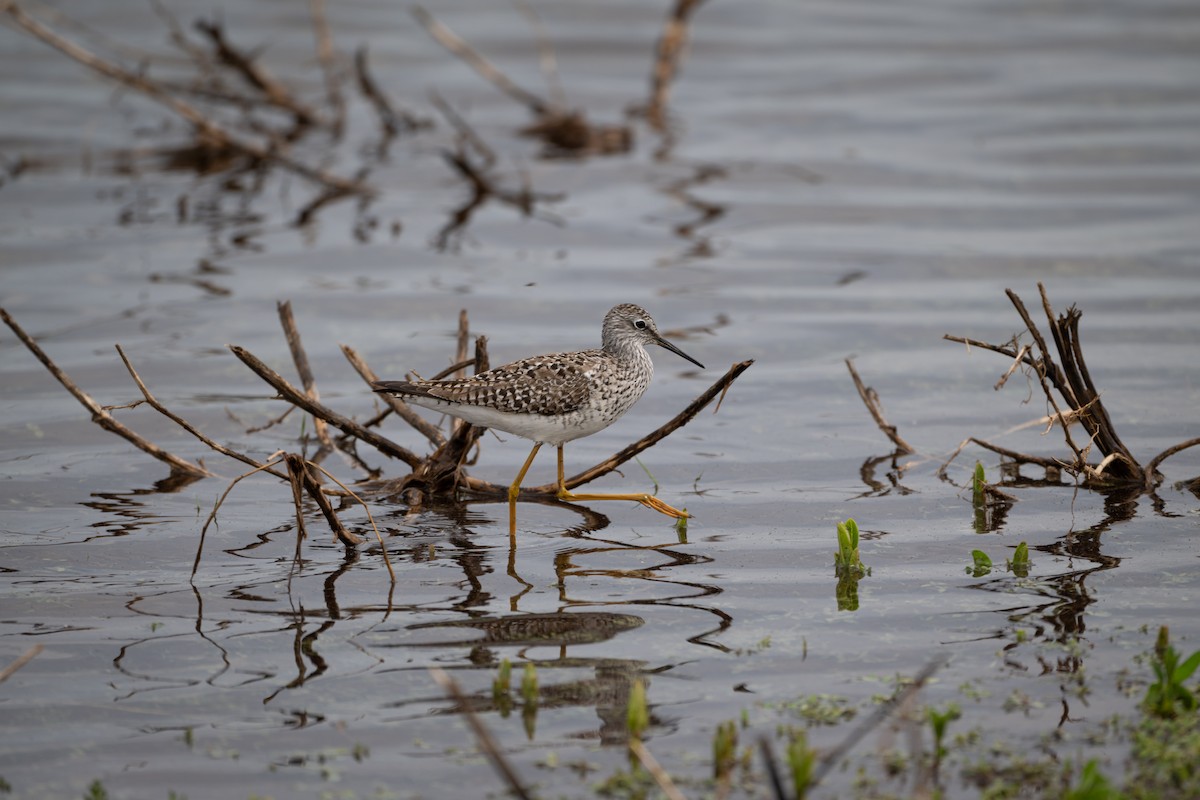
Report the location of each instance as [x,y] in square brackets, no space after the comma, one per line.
[555,398]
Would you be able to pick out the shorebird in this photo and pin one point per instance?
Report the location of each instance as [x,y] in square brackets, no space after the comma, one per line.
[555,398]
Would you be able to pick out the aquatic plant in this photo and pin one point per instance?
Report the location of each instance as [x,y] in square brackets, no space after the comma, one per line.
[1019,564]
[846,559]
[637,714]
[801,761]
[725,742]
[1092,785]
[939,721]
[1168,694]
[981,564]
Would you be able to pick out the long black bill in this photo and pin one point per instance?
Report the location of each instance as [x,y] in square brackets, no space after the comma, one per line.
[661,342]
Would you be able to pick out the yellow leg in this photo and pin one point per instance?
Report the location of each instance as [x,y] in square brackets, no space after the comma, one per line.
[648,500]
[515,489]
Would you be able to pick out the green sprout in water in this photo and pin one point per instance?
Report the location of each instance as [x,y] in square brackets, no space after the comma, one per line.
[848,566]
[503,681]
[1019,564]
[846,560]
[725,742]
[1092,785]
[939,720]
[637,714]
[529,694]
[529,683]
[1169,691]
[801,760]
[982,564]
[978,487]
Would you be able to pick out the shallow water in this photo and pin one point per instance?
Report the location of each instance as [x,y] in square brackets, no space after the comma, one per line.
[848,180]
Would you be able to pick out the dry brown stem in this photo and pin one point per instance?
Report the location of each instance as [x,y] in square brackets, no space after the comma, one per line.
[1072,394]
[257,76]
[666,63]
[179,466]
[300,358]
[660,775]
[395,403]
[563,131]
[870,399]
[488,71]
[22,660]
[327,56]
[183,423]
[301,474]
[482,735]
[210,133]
[392,122]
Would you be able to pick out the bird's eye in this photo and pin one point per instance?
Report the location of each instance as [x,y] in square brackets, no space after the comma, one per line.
[640,324]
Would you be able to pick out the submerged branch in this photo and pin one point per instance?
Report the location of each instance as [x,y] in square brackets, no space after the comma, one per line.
[870,399]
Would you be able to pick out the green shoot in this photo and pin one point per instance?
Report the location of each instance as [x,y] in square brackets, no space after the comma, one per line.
[801,760]
[637,713]
[725,742]
[846,559]
[1019,563]
[649,474]
[1168,690]
[1092,785]
[982,565]
[501,688]
[978,487]
[939,720]
[529,684]
[529,693]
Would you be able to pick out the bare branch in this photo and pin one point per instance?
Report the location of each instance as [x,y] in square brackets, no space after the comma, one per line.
[300,358]
[209,132]
[179,466]
[870,398]
[452,42]
[394,402]
[183,423]
[666,64]
[486,742]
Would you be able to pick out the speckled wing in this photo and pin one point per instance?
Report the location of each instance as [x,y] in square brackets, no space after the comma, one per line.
[547,385]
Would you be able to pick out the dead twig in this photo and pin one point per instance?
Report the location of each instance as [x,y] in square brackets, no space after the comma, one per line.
[870,399]
[257,76]
[482,735]
[301,475]
[327,56]
[395,403]
[660,775]
[666,62]
[370,517]
[22,660]
[300,358]
[831,757]
[207,131]
[452,42]
[391,121]
[183,423]
[179,466]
